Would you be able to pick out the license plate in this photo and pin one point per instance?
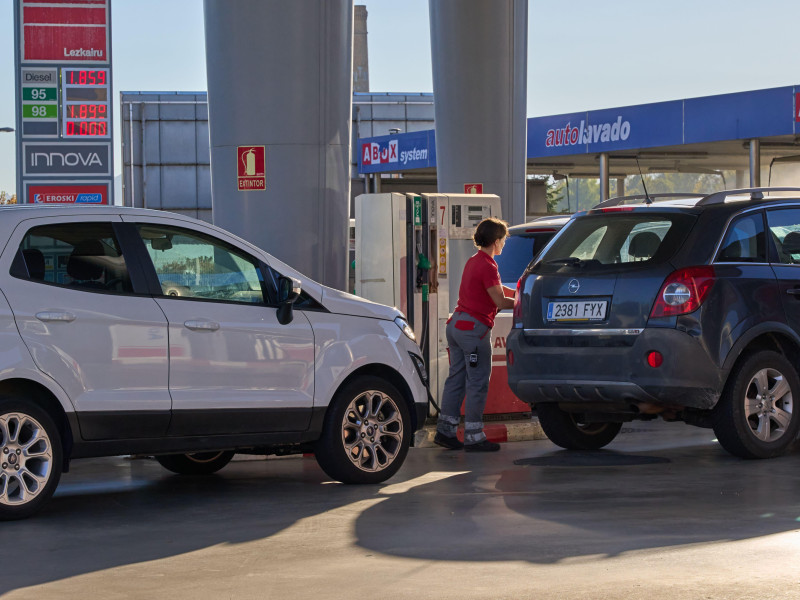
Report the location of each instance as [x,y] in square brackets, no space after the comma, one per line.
[577,310]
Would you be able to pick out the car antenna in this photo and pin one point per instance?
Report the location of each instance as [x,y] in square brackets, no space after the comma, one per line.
[647,199]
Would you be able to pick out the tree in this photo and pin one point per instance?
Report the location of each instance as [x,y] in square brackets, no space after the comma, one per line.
[6,198]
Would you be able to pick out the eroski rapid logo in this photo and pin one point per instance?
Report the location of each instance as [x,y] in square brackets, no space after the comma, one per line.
[588,134]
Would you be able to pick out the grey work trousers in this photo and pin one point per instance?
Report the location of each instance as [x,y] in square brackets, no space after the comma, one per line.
[466,377]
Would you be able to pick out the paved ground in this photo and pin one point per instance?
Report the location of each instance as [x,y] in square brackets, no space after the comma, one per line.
[663,513]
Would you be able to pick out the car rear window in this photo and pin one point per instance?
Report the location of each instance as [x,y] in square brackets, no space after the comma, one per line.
[617,241]
[518,252]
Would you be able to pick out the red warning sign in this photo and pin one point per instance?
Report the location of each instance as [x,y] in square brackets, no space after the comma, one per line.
[251,168]
[473,188]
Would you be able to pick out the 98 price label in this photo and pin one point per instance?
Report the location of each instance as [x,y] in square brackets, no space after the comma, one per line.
[39,111]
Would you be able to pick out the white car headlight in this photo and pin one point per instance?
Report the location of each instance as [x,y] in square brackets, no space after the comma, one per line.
[405,328]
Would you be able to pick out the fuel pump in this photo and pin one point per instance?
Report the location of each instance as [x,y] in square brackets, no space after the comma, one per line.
[410,253]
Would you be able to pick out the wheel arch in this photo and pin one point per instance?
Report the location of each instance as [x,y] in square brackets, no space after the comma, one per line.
[44,398]
[773,336]
[391,375]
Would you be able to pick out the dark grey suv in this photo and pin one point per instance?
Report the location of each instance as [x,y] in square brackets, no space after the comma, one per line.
[687,308]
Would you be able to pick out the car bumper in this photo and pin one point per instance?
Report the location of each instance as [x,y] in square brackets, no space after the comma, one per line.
[614,371]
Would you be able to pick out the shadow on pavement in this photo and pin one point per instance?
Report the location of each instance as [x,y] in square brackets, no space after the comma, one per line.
[545,510]
[525,503]
[142,513]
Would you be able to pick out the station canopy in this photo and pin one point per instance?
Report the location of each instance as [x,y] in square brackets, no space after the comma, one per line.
[696,135]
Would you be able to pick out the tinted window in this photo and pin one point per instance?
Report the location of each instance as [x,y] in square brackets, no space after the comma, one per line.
[518,252]
[78,255]
[617,240]
[784,227]
[192,265]
[744,240]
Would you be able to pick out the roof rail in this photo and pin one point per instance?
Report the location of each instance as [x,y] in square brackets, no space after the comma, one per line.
[623,199]
[755,194]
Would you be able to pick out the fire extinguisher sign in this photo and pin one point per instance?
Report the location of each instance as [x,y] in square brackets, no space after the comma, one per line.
[251,168]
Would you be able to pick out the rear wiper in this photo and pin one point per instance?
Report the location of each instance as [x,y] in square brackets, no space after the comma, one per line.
[571,261]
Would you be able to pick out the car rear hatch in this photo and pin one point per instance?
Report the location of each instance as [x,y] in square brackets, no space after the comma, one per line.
[601,275]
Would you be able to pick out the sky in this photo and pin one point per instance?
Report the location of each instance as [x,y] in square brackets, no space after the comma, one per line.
[582,54]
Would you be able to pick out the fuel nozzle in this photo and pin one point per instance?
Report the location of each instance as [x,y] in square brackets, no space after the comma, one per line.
[423,266]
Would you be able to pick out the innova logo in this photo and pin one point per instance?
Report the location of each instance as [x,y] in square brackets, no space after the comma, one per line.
[374,153]
[588,134]
[67,159]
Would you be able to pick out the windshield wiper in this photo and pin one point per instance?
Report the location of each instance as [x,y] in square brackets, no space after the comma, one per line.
[570,260]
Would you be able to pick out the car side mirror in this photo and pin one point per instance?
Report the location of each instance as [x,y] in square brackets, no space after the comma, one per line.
[289,291]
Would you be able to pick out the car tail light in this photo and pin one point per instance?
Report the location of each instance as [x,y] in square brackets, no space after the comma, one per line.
[683,291]
[534,230]
[610,209]
[517,314]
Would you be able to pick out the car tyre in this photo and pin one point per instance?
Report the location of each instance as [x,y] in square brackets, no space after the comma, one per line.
[566,431]
[197,463]
[757,416]
[31,458]
[366,433]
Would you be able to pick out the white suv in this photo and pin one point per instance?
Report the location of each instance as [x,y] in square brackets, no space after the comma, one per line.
[128,331]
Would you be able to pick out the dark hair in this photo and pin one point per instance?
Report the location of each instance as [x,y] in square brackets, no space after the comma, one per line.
[489,231]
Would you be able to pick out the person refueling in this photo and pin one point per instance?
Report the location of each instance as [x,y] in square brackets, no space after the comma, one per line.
[469,337]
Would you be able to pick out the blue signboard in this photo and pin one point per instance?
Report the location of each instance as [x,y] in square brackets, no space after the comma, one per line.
[745,115]
[400,152]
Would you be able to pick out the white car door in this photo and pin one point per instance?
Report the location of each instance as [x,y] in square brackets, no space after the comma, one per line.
[73,296]
[233,367]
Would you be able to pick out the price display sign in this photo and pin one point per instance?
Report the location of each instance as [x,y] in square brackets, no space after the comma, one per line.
[39,101]
[85,102]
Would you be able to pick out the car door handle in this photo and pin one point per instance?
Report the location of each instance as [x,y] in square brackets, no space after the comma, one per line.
[793,292]
[201,325]
[54,315]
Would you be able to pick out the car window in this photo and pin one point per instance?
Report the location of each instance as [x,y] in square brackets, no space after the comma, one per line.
[784,227]
[192,265]
[77,255]
[744,241]
[518,252]
[617,240]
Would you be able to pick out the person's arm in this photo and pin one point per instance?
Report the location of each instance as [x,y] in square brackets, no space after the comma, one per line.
[499,298]
[509,292]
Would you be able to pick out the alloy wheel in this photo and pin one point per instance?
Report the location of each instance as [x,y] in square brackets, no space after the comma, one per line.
[768,405]
[26,458]
[372,431]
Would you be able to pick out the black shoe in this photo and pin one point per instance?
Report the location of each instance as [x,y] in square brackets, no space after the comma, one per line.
[445,441]
[484,446]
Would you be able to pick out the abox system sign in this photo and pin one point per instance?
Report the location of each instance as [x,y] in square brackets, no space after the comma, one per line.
[251,168]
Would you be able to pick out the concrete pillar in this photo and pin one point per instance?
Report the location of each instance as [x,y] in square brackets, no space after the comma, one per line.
[603,176]
[740,180]
[279,76]
[360,51]
[755,163]
[479,56]
[620,189]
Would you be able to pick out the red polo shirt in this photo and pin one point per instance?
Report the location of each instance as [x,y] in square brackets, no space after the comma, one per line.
[480,273]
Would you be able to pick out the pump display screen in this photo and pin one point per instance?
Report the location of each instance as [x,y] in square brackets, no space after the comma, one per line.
[85,94]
